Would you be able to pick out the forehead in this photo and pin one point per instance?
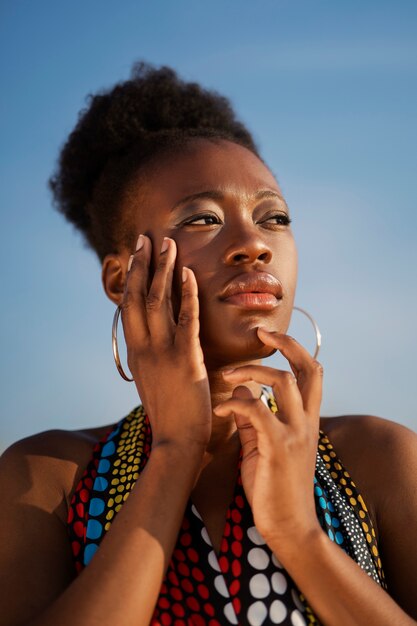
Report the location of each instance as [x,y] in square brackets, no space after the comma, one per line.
[204,165]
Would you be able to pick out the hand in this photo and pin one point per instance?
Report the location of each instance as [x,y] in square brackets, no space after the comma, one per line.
[165,357]
[279,450]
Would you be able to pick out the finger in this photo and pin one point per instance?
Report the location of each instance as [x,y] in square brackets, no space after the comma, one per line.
[134,318]
[308,371]
[158,301]
[247,432]
[254,410]
[188,326]
[284,385]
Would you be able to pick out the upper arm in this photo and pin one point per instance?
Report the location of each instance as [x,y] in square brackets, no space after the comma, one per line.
[396,508]
[35,556]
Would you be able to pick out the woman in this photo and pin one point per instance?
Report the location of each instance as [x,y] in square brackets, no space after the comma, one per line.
[216,501]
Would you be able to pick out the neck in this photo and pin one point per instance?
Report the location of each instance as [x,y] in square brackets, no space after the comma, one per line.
[224,437]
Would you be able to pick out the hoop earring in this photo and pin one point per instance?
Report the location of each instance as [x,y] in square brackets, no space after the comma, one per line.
[115,347]
[316,329]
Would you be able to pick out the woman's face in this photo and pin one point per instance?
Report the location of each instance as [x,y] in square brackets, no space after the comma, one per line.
[234,223]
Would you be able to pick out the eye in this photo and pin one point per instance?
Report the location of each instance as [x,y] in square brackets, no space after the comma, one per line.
[281,219]
[203,220]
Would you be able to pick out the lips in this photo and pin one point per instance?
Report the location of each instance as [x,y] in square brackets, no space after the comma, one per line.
[253,290]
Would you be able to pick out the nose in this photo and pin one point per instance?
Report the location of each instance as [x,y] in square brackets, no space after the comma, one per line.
[248,246]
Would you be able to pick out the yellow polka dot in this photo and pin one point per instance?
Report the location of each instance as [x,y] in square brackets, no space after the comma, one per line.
[112,491]
[373,532]
[115,481]
[120,488]
[118,499]
[362,502]
[118,507]
[107,526]
[321,447]
[346,474]
[117,462]
[338,466]
[110,503]
[379,562]
[135,476]
[349,491]
[343,481]
[110,515]
[329,446]
[368,538]
[326,457]
[375,550]
[365,526]
[125,497]
[333,474]
[353,501]
[362,514]
[333,454]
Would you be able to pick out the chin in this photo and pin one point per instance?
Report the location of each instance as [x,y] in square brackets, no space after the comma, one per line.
[233,347]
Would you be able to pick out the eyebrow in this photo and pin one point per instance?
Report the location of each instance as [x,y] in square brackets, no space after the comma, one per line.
[213,194]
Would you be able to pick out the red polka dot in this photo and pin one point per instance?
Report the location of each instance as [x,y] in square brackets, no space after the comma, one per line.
[203,591]
[209,609]
[88,482]
[70,515]
[183,569]
[185,539]
[76,547]
[173,578]
[234,587]
[84,495]
[80,509]
[164,589]
[179,622]
[236,605]
[164,603]
[179,555]
[192,555]
[193,604]
[237,533]
[239,501]
[178,610]
[224,564]
[79,529]
[237,548]
[227,529]
[236,516]
[214,622]
[236,568]
[224,547]
[165,619]
[176,593]
[197,620]
[187,586]
[197,574]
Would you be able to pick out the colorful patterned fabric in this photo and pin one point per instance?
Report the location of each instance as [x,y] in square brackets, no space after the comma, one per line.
[245,583]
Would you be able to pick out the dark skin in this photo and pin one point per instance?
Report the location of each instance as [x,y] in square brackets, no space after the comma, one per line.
[183,346]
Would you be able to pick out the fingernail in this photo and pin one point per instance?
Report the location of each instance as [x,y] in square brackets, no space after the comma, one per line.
[165,245]
[140,242]
[184,274]
[229,371]
[129,264]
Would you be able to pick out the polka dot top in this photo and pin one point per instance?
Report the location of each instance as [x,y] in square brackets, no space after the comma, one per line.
[245,583]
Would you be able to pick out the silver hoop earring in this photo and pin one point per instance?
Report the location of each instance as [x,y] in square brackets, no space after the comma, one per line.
[316,330]
[115,347]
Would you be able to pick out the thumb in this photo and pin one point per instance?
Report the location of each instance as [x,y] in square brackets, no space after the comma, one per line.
[247,433]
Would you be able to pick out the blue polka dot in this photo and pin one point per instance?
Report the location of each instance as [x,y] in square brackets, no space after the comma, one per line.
[339,538]
[108,449]
[89,552]
[331,535]
[103,466]
[318,491]
[96,507]
[100,484]
[335,522]
[328,518]
[322,502]
[94,529]
[330,507]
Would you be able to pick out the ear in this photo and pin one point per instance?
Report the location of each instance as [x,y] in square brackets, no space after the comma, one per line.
[113,276]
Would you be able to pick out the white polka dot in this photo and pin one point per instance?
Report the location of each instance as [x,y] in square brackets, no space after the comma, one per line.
[279,582]
[230,613]
[297,619]
[276,562]
[277,612]
[255,536]
[196,513]
[205,536]
[258,558]
[220,585]
[212,559]
[296,600]
[259,586]
[257,613]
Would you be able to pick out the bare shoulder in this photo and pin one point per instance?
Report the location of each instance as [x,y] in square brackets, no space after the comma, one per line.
[48,465]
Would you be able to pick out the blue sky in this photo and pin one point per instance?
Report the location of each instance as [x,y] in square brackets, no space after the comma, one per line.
[329,91]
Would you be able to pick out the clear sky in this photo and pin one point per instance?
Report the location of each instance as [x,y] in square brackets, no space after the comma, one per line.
[329,91]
